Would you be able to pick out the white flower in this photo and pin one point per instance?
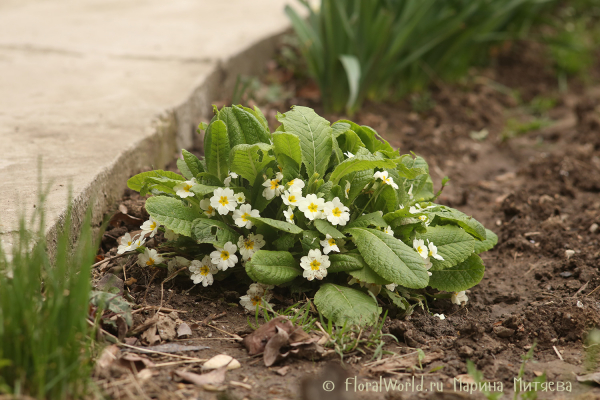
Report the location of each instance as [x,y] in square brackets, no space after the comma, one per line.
[224,257]
[223,201]
[273,187]
[129,243]
[203,271]
[391,287]
[459,297]
[291,198]
[312,206]
[440,316]
[170,235]
[176,262]
[428,265]
[410,194]
[183,189]
[240,198]
[433,251]
[295,185]
[424,219]
[240,216]
[208,209]
[419,245]
[227,180]
[389,231]
[315,265]
[336,212]
[149,258]
[250,245]
[348,154]
[415,209]
[289,215]
[384,176]
[256,294]
[371,287]
[329,245]
[347,189]
[150,226]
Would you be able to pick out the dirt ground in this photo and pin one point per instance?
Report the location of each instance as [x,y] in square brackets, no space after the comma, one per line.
[539,191]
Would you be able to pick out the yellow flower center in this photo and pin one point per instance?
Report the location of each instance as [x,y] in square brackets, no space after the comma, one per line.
[291,217]
[204,270]
[336,212]
[314,265]
[249,244]
[386,180]
[256,300]
[313,207]
[423,218]
[223,200]
[225,255]
[187,187]
[129,243]
[150,261]
[292,199]
[153,225]
[274,184]
[420,250]
[290,183]
[210,210]
[331,242]
[245,217]
[347,190]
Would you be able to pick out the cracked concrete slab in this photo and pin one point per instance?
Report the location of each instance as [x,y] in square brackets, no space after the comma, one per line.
[99,90]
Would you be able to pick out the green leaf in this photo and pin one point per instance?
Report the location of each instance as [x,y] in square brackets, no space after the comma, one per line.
[310,240]
[172,213]
[243,127]
[205,178]
[290,169]
[352,68]
[469,224]
[490,241]
[326,228]
[350,141]
[346,306]
[339,128]
[358,180]
[287,144]
[112,302]
[372,219]
[192,162]
[285,242]
[259,116]
[272,267]
[389,199]
[367,275]
[216,147]
[345,262]
[399,301]
[280,225]
[202,190]
[183,168]
[248,160]
[315,137]
[453,244]
[460,277]
[362,160]
[205,230]
[369,137]
[136,182]
[390,258]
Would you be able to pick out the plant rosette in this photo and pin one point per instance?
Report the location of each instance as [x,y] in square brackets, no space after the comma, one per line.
[328,209]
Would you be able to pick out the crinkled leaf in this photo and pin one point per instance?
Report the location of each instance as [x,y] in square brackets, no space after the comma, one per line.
[114,303]
[272,267]
[345,262]
[192,162]
[216,147]
[346,306]
[289,167]
[339,128]
[243,127]
[362,160]
[287,144]
[248,160]
[259,116]
[326,228]
[358,180]
[315,137]
[172,213]
[390,258]
[399,301]
[453,244]
[202,190]
[205,230]
[136,182]
[280,225]
[310,240]
[206,178]
[460,277]
[469,224]
[285,242]
[490,241]
[367,275]
[372,219]
[183,168]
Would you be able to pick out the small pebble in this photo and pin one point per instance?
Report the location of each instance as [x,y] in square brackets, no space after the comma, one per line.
[594,228]
[566,274]
[579,304]
[569,253]
[221,360]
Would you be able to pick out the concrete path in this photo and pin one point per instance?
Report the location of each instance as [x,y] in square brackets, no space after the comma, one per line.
[87,87]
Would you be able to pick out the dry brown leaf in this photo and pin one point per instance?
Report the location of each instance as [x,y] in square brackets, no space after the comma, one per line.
[214,378]
[170,348]
[108,356]
[221,360]
[143,327]
[272,352]
[256,341]
[590,378]
[166,328]
[134,362]
[126,218]
[150,336]
[184,330]
[395,363]
[283,370]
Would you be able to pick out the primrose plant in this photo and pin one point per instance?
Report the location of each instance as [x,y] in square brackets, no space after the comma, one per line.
[329,209]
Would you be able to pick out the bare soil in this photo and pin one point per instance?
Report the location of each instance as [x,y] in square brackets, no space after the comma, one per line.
[539,191]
